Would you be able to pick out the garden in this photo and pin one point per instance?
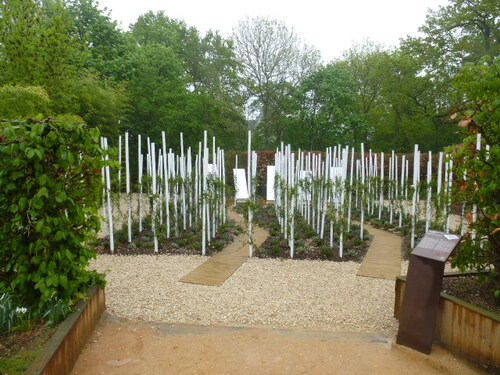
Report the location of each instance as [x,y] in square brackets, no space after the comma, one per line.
[122,154]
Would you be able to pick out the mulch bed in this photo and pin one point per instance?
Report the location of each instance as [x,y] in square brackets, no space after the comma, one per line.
[186,243]
[469,289]
[307,244]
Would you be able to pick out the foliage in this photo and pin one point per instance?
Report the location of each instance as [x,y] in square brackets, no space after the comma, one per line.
[50,186]
[326,113]
[18,102]
[184,82]
[478,171]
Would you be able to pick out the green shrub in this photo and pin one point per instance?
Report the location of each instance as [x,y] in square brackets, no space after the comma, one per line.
[50,186]
[478,171]
[326,250]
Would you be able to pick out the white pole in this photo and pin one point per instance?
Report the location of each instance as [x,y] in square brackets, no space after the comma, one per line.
[474,206]
[416,161]
[165,181]
[402,206]
[154,188]
[129,198]
[350,191]
[361,229]
[204,200]
[381,204]
[249,176]
[450,180]
[141,162]
[428,212]
[110,210]
[119,171]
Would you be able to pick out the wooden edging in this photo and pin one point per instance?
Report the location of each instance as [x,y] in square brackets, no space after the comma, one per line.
[464,329]
[60,353]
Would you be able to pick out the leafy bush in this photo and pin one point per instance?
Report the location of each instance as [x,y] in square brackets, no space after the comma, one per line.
[478,171]
[50,186]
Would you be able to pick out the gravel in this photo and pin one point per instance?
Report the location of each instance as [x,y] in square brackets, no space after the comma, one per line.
[319,295]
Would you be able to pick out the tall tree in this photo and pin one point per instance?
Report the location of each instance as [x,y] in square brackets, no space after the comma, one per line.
[274,61]
[463,31]
[108,50]
[205,80]
[327,109]
[36,48]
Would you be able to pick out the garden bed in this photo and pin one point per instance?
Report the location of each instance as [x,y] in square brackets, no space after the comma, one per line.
[188,242]
[308,245]
[19,348]
[52,350]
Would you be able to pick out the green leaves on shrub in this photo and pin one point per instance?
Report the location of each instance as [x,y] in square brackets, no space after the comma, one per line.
[50,186]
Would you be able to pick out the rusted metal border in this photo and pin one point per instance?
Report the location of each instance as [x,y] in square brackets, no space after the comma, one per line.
[453,330]
[60,353]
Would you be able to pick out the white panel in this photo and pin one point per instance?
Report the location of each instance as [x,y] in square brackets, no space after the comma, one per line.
[270,182]
[211,169]
[240,183]
[336,172]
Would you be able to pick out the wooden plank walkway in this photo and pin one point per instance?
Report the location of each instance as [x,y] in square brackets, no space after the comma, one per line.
[383,259]
[222,265]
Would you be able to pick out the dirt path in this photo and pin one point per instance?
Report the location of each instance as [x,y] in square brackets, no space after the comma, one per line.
[129,348]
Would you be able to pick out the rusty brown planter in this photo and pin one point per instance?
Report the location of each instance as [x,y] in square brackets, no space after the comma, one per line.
[60,353]
[462,328]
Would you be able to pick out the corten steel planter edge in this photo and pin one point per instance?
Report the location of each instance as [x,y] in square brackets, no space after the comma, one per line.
[463,328]
[61,351]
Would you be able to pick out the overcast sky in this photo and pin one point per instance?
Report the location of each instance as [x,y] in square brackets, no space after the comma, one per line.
[331,26]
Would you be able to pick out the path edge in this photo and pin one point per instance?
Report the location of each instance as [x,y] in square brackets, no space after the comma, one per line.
[60,353]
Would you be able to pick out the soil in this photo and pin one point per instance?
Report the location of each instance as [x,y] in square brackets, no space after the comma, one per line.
[186,243]
[469,289]
[308,245]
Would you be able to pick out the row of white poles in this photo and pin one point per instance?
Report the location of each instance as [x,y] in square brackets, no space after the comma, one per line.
[331,185]
[174,191]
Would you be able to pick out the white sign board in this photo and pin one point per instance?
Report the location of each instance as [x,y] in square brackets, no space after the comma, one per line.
[240,184]
[271,171]
[337,172]
[211,169]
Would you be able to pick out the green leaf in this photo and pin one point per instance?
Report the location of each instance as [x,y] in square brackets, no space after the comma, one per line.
[23,203]
[59,236]
[43,179]
[43,192]
[30,152]
[61,197]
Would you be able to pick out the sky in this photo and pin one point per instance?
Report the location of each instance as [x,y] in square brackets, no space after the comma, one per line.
[332,26]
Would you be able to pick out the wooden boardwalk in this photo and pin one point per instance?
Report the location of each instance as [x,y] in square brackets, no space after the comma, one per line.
[383,259]
[222,265]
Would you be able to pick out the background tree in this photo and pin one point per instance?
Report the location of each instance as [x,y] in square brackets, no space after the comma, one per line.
[326,110]
[199,91]
[274,62]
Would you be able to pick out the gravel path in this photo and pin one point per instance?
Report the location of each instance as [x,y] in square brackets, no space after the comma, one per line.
[262,292]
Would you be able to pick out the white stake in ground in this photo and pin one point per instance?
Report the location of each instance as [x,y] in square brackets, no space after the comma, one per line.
[141,162]
[108,194]
[129,198]
[249,176]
